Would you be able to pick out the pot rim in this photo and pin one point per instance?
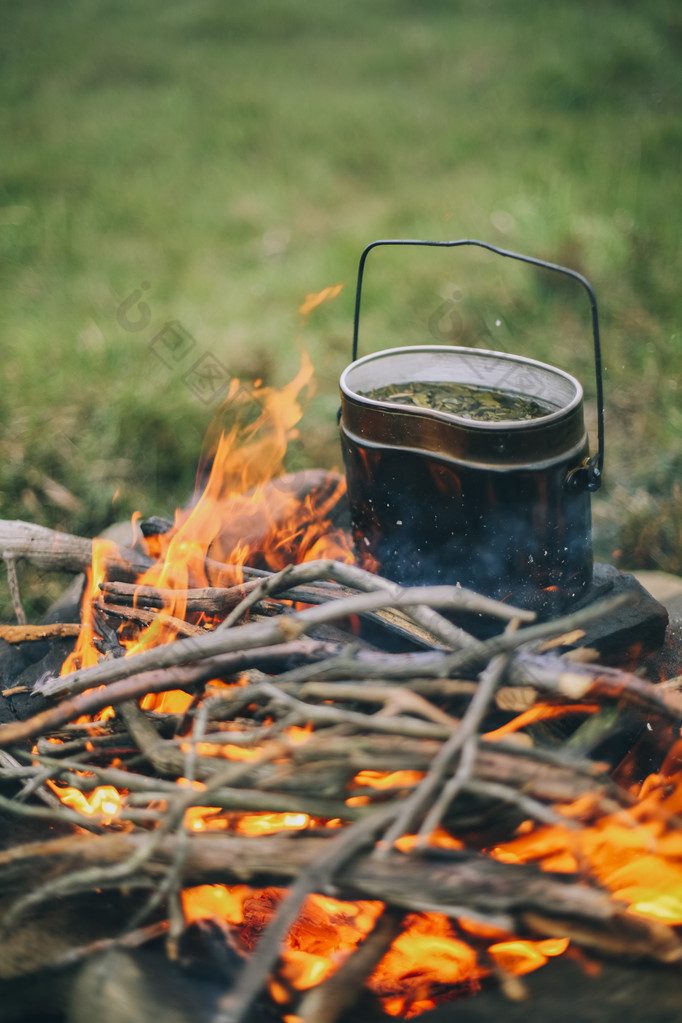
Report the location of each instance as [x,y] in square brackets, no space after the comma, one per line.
[449,417]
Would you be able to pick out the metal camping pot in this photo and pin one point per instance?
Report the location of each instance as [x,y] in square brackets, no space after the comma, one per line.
[500,507]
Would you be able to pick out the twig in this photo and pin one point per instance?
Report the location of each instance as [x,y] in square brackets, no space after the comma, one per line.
[50,813]
[213,600]
[146,617]
[415,805]
[436,625]
[216,600]
[262,589]
[13,583]
[110,741]
[10,765]
[166,758]
[586,681]
[153,681]
[31,633]
[325,715]
[350,575]
[317,778]
[218,789]
[282,629]
[54,551]
[220,600]
[131,939]
[451,788]
[96,876]
[394,699]
[334,666]
[529,807]
[170,885]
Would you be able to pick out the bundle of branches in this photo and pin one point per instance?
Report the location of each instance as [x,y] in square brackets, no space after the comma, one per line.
[415,768]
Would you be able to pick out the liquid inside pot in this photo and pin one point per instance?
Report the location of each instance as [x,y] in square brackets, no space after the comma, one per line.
[488,404]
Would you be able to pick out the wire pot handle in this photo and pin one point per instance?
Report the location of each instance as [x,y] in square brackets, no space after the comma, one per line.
[589,475]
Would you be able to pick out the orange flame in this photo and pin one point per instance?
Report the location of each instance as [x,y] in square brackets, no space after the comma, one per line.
[632,852]
[247,511]
[242,515]
[84,654]
[541,712]
[316,298]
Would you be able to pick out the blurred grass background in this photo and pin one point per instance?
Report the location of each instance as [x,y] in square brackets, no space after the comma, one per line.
[226,159]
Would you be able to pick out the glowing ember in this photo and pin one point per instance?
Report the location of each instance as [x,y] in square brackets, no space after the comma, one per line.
[521,957]
[269,823]
[383,780]
[103,801]
[444,961]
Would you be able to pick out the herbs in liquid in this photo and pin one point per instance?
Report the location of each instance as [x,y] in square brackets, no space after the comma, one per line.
[488,404]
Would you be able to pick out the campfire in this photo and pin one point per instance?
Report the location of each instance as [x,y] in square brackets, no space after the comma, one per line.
[313,790]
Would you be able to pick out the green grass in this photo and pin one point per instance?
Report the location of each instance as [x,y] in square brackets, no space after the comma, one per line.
[238,156]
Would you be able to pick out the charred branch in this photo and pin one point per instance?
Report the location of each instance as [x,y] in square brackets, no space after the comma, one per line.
[455,884]
[59,552]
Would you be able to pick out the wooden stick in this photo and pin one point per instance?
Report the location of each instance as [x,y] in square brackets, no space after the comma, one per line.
[32,633]
[282,629]
[13,583]
[323,715]
[131,939]
[455,885]
[585,681]
[146,617]
[155,680]
[58,552]
[420,799]
[394,699]
[213,600]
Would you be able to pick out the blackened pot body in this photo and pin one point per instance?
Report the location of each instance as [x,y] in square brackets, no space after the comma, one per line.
[435,498]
